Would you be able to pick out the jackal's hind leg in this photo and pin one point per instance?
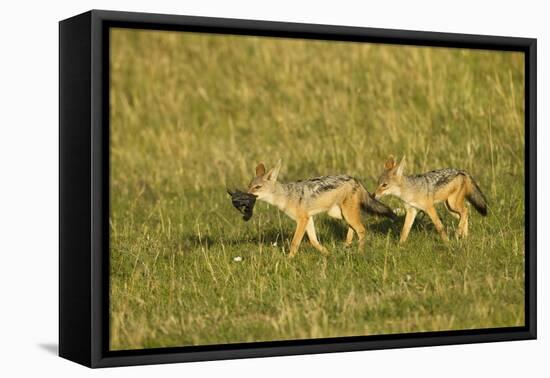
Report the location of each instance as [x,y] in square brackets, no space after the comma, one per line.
[437,223]
[456,204]
[310,229]
[451,211]
[463,224]
[352,215]
[349,237]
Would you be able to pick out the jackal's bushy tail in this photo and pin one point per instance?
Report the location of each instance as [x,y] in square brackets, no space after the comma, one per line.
[475,196]
[372,206]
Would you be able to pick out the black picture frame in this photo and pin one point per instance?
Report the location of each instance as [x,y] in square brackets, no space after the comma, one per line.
[84,187]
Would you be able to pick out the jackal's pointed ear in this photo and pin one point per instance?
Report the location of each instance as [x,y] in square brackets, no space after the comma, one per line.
[401,166]
[274,172]
[390,163]
[260,170]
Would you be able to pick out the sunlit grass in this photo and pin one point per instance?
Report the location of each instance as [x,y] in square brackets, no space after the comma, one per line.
[192,114]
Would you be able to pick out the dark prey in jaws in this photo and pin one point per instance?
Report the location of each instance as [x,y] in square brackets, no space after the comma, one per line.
[244,202]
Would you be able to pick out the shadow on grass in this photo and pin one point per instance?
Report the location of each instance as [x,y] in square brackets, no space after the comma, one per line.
[382,226]
[271,235]
[337,229]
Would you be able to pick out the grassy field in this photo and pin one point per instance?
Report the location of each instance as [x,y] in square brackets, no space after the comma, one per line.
[193,114]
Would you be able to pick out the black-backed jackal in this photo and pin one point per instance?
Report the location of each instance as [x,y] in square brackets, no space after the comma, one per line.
[421,192]
[341,196]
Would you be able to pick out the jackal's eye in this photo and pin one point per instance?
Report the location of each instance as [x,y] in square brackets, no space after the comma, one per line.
[385,185]
[256,187]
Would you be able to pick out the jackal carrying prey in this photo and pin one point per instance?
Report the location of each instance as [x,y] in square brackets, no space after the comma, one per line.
[340,196]
[422,192]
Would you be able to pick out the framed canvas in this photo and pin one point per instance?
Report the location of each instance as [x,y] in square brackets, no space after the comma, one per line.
[170,126]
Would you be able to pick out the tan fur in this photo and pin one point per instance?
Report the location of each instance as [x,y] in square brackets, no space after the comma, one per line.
[423,192]
[301,203]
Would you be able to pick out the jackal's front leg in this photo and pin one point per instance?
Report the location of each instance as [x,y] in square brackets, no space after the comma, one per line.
[301,224]
[409,220]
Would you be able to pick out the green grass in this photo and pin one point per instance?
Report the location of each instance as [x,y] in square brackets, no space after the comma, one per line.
[193,114]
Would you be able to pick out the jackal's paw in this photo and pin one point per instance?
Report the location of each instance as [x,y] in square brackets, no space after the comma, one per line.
[461,236]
